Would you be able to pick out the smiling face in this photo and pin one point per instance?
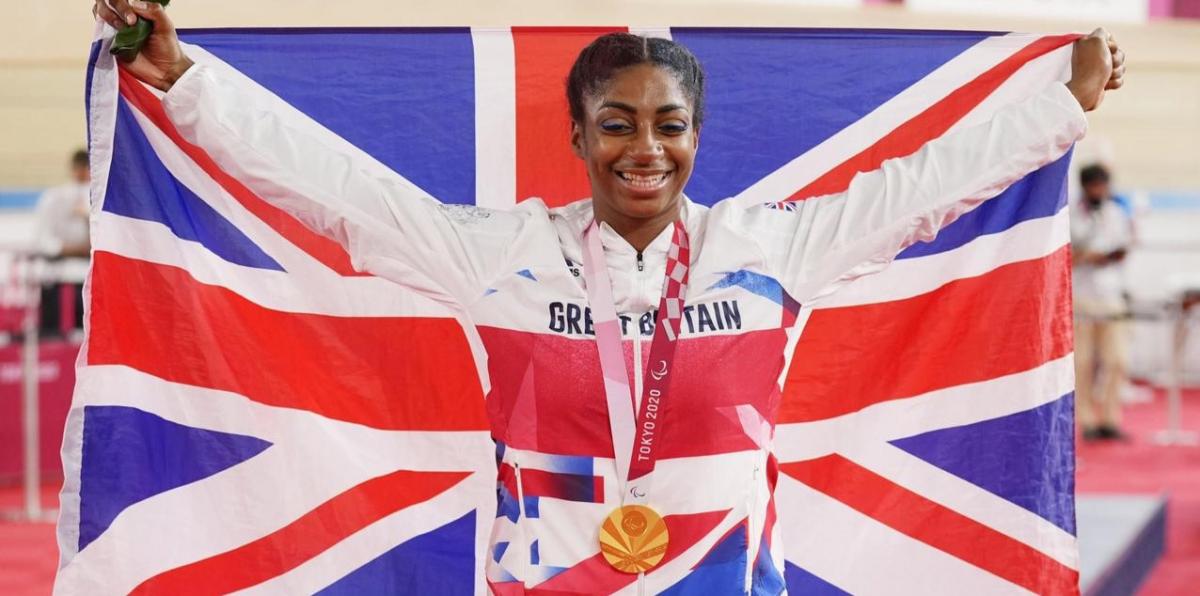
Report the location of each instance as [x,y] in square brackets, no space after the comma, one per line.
[639,143]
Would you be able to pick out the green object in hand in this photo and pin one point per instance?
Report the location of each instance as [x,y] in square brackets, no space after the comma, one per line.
[128,41]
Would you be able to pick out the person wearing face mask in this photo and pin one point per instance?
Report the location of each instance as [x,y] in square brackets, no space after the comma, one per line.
[1101,235]
[608,317]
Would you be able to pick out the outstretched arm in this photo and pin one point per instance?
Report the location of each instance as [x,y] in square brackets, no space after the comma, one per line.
[388,226]
[831,239]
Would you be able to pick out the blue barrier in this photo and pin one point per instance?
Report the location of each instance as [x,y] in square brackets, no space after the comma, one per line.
[18,198]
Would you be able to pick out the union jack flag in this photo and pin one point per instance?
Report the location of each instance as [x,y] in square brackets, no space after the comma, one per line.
[253,414]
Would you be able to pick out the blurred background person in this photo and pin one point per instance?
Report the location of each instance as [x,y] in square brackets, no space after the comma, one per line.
[1101,235]
[62,235]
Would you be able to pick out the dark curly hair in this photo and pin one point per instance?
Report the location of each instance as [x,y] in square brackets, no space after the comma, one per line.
[601,59]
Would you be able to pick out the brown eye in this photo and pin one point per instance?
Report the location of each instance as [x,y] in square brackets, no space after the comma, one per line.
[674,127]
[614,126]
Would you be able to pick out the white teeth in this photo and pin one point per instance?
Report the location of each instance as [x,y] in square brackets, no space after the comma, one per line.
[643,181]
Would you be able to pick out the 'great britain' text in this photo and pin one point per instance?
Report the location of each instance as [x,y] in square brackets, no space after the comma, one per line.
[720,315]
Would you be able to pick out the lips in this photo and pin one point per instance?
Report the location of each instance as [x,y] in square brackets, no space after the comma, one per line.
[644,181]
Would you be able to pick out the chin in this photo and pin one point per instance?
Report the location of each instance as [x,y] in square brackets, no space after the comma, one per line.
[644,207]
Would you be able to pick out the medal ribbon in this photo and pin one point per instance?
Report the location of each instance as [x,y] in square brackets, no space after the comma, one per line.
[636,443]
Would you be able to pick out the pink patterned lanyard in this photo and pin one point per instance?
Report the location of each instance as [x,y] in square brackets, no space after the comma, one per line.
[636,444]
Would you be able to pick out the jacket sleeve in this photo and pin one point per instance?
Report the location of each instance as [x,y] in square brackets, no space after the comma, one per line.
[389,227]
[830,240]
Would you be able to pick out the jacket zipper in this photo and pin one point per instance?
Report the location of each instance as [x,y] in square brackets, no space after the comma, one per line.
[751,517]
[523,526]
[637,343]
[637,381]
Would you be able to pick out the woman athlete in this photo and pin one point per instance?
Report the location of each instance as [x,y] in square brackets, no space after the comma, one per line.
[632,344]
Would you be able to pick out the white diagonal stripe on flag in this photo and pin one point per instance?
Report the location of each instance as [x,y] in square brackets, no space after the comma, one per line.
[950,491]
[378,538]
[847,142]
[943,408]
[907,278]
[819,531]
[495,118]
[340,296]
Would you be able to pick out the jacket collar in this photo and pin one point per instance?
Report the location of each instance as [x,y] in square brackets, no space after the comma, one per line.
[579,216]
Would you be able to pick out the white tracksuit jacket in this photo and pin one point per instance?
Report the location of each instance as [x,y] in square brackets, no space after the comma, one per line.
[513,278]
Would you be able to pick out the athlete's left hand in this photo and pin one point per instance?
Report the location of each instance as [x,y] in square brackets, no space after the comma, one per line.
[1097,65]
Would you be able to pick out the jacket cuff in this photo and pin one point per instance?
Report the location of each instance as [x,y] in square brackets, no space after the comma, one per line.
[186,90]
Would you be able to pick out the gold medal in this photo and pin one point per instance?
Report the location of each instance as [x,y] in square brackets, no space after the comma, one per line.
[633,538]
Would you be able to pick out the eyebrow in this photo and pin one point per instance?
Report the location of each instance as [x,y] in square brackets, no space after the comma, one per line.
[671,107]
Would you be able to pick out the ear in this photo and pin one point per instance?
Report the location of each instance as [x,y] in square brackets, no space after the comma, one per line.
[696,137]
[577,139]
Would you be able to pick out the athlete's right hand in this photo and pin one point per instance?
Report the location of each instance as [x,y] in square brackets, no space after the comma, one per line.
[161,61]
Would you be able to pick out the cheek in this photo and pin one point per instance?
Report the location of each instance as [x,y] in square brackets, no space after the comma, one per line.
[684,157]
[601,153]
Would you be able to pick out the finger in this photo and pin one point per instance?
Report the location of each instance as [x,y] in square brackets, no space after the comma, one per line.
[151,11]
[106,13]
[1099,32]
[121,7]
[1118,58]
[1115,83]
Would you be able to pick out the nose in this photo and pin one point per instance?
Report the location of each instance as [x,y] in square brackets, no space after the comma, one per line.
[644,147]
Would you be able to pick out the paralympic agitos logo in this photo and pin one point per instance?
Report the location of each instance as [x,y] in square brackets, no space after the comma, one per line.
[660,372]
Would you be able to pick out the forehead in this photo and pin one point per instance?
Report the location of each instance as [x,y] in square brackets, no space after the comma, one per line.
[642,86]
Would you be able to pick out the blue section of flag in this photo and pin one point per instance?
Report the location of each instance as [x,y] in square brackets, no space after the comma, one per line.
[1040,194]
[766,579]
[805,88]
[130,455]
[439,562]
[1026,458]
[93,55]
[721,571]
[405,96]
[506,505]
[139,186]
[801,581]
[732,547]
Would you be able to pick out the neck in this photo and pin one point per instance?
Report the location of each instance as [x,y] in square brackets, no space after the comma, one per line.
[638,232]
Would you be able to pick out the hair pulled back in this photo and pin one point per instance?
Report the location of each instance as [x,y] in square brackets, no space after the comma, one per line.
[601,59]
